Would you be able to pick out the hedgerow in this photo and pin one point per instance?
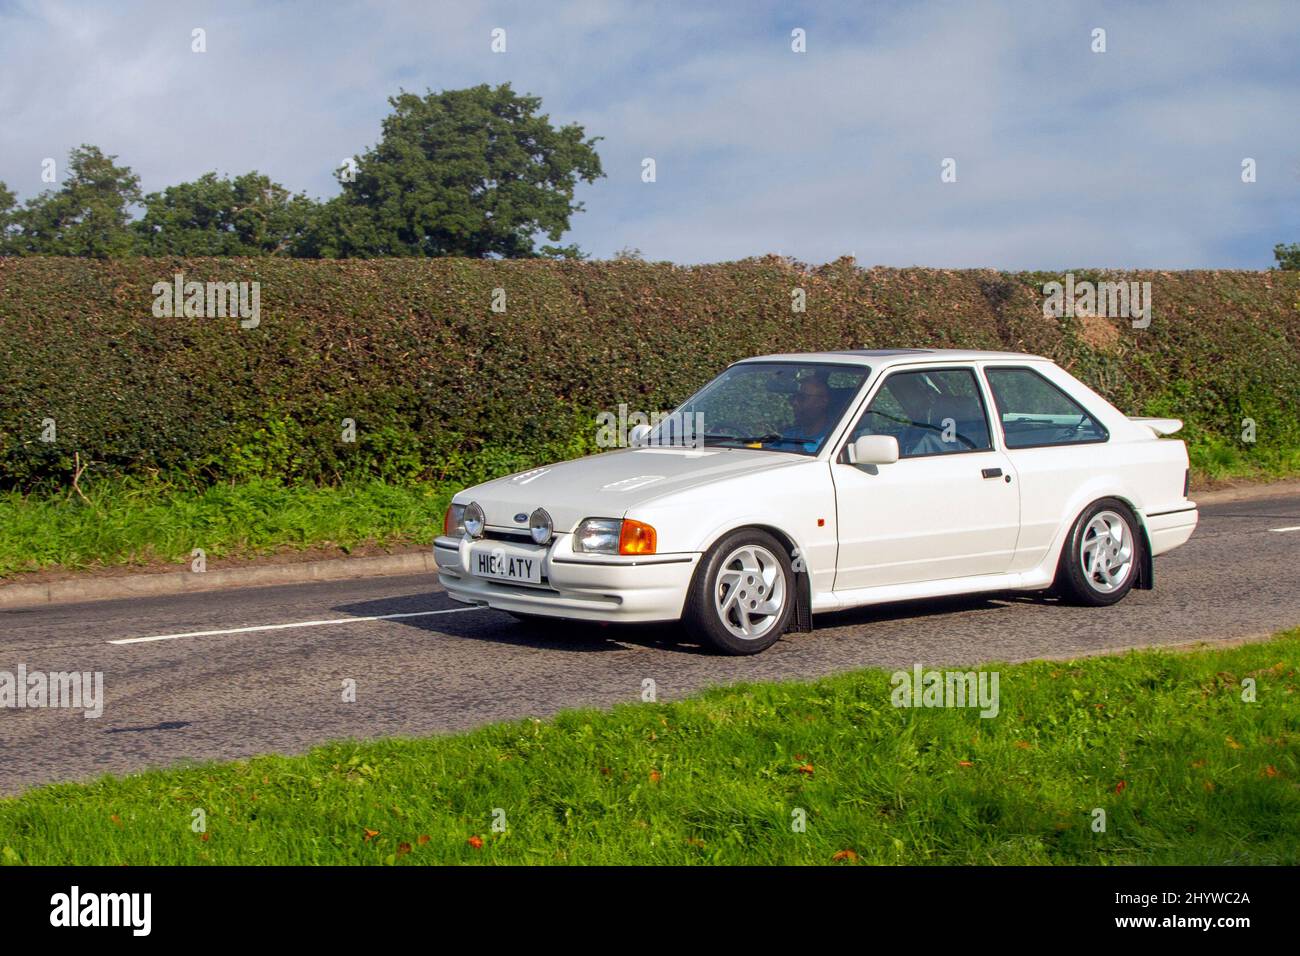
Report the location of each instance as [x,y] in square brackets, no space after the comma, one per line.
[439,384]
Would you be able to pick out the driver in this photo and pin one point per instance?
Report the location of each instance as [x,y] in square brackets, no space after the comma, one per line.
[811,405]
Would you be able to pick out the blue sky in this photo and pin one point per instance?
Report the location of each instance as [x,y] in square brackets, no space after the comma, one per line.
[1065,157]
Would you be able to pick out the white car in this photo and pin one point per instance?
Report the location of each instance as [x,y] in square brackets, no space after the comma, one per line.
[832,480]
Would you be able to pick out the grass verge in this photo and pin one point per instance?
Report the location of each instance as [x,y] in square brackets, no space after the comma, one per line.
[1213,460]
[1184,770]
[133,523]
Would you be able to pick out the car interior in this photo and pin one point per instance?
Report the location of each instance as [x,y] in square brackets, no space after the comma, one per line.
[929,413]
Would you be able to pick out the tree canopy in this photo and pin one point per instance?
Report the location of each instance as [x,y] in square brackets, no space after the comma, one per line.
[217,216]
[479,172]
[8,205]
[89,215]
[476,172]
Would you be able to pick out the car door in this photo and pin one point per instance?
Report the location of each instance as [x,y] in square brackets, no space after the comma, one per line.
[948,508]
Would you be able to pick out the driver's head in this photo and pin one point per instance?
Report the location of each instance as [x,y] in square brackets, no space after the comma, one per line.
[811,403]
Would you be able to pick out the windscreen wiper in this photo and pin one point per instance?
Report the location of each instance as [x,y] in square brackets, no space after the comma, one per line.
[774,437]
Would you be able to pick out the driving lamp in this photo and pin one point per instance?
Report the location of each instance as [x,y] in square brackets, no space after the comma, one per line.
[540,526]
[474,520]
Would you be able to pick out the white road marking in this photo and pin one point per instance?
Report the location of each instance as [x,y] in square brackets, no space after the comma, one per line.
[1292,528]
[283,627]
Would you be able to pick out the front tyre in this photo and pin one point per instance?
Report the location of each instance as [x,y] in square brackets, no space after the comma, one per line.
[1100,560]
[742,594]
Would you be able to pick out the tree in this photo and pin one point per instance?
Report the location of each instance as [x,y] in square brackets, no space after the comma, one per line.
[474,172]
[1288,257]
[8,206]
[88,216]
[218,216]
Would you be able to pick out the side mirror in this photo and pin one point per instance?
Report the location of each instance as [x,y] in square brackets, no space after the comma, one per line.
[874,450]
[637,435]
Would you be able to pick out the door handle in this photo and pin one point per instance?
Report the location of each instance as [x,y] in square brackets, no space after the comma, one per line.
[992,472]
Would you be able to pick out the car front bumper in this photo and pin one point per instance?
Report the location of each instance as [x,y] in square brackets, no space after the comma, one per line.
[585,587]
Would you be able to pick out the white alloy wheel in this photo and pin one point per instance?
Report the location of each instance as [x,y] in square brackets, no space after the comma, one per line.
[1106,552]
[749,592]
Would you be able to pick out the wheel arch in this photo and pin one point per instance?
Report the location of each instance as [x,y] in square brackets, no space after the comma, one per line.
[1090,496]
[802,619]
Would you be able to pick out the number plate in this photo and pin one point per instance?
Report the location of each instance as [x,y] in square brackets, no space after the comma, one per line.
[506,564]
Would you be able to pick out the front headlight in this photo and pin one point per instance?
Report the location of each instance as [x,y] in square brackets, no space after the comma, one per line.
[453,522]
[597,536]
[614,536]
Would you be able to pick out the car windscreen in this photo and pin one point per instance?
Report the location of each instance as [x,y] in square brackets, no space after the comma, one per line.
[778,406]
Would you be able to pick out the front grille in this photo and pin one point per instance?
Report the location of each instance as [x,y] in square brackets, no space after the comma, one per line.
[508,534]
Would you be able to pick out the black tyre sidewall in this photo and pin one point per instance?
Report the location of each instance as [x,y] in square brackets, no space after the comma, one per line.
[700,617]
[1071,581]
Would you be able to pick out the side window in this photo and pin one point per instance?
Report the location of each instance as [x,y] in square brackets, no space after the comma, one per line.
[1035,412]
[930,412]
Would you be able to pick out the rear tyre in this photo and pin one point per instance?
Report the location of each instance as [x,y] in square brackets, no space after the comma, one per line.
[1100,561]
[742,595]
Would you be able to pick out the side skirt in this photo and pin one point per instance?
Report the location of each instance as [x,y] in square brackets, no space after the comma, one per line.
[1036,580]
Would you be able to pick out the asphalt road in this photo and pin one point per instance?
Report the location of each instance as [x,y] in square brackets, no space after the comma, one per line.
[231,695]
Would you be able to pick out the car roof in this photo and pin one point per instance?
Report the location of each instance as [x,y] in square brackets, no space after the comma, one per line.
[877,358]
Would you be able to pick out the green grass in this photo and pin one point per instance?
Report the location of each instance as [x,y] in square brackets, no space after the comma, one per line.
[134,523]
[1216,459]
[1185,770]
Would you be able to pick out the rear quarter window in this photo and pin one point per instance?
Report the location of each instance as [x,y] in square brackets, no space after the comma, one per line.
[1034,412]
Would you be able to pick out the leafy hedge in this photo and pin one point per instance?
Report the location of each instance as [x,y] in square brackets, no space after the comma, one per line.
[439,384]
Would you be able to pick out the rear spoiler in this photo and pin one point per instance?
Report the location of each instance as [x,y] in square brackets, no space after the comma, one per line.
[1161,426]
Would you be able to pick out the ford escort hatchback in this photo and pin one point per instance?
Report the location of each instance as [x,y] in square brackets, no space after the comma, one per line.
[793,485]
